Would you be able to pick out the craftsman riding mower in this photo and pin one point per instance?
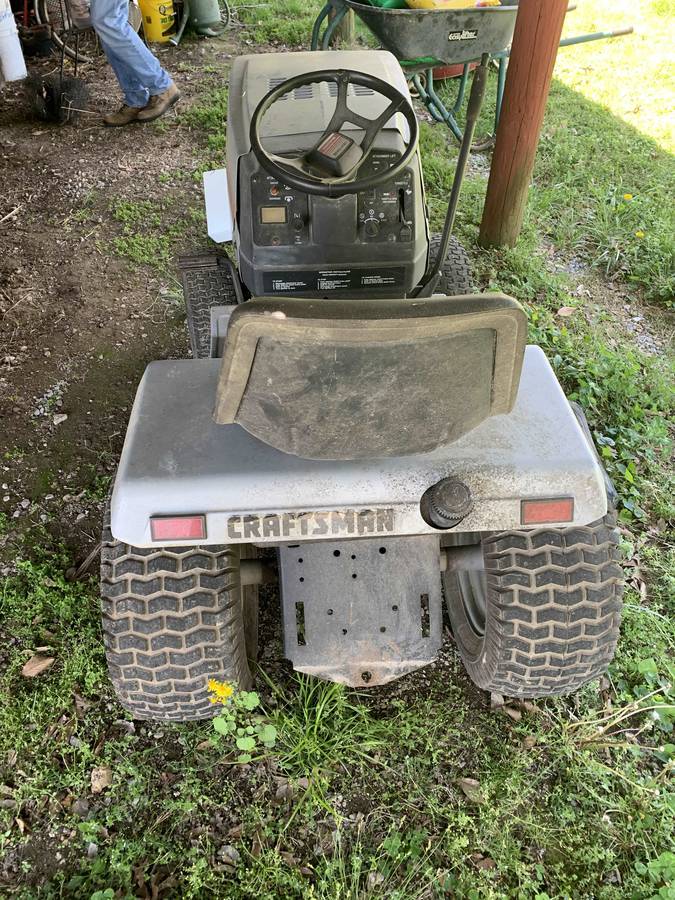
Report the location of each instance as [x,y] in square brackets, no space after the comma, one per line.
[355,424]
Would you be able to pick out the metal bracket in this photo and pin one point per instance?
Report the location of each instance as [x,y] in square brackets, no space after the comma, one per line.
[362,612]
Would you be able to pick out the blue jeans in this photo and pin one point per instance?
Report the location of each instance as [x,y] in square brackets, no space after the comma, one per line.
[137,69]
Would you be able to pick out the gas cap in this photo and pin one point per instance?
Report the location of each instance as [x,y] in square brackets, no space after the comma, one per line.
[446,503]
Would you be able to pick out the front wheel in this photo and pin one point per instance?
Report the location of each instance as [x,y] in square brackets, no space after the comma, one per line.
[456,279]
[536,613]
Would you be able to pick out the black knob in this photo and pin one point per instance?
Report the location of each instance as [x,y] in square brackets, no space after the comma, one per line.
[372,228]
[446,503]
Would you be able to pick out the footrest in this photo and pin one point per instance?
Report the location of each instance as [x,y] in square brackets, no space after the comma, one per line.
[362,612]
[208,279]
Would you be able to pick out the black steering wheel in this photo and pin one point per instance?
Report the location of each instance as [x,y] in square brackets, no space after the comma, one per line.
[336,158]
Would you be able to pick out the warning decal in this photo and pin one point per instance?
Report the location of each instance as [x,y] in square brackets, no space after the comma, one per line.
[329,280]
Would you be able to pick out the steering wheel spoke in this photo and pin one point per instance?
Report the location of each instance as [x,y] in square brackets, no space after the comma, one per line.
[375,126]
[336,157]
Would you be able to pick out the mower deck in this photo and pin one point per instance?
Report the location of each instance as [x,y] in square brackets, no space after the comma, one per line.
[180,462]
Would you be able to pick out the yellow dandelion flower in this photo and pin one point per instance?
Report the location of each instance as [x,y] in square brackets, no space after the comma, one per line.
[628,197]
[221,690]
[639,234]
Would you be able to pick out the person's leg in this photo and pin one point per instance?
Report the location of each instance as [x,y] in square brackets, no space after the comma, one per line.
[135,94]
[136,68]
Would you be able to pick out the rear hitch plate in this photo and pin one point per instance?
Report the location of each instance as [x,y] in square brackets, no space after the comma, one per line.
[362,612]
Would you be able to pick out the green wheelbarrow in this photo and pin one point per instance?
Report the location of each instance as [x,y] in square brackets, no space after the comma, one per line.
[425,39]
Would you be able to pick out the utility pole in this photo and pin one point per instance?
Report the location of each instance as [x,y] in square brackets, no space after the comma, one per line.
[533,54]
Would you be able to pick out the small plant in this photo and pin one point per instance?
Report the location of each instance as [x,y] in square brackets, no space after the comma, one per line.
[238,722]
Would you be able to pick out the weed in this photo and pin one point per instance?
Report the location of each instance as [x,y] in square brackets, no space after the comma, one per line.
[210,116]
[321,725]
[237,721]
[98,488]
[150,230]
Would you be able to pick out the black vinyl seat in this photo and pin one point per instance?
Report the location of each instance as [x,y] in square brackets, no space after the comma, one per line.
[351,379]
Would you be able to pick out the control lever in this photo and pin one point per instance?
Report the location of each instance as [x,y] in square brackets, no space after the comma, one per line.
[431,279]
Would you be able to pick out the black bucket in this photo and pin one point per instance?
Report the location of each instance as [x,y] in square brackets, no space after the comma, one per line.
[440,35]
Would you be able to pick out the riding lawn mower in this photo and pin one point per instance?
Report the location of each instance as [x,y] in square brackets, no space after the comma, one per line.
[355,424]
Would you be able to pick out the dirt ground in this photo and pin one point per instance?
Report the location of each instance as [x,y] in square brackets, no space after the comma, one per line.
[78,323]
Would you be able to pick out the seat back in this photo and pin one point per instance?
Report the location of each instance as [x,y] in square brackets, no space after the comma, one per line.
[350,379]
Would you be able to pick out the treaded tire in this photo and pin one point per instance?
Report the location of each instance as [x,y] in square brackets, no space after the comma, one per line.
[456,278]
[208,279]
[552,609]
[173,618]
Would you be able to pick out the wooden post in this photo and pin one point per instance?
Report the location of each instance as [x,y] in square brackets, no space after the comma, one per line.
[533,54]
[346,30]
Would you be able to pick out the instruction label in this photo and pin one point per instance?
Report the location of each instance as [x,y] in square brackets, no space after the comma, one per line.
[329,280]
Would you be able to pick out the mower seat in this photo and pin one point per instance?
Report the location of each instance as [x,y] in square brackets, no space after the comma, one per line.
[353,379]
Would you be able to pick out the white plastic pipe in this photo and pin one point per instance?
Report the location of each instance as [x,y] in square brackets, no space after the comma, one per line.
[12,62]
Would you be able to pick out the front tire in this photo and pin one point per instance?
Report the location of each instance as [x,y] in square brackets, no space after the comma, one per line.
[456,279]
[536,613]
[174,617]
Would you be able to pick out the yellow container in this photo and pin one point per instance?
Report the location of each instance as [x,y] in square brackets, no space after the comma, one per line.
[450,4]
[159,20]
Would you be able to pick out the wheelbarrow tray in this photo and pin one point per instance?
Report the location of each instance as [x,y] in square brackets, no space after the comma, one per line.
[444,35]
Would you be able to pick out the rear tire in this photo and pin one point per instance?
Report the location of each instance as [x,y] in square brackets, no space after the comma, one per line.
[174,617]
[456,278]
[537,613]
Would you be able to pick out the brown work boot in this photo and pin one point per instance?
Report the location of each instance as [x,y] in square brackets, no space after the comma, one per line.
[159,104]
[124,116]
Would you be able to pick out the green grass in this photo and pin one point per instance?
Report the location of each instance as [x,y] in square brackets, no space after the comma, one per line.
[209,117]
[602,191]
[628,396]
[645,60]
[285,25]
[615,213]
[359,798]
[373,807]
[151,230]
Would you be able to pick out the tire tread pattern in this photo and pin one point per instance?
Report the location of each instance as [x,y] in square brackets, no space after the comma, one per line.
[172,618]
[555,609]
[456,276]
[204,286]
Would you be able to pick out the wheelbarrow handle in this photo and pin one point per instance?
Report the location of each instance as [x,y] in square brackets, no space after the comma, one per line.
[595,36]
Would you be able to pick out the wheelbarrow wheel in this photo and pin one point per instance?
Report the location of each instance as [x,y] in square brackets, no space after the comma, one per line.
[173,618]
[456,278]
[536,613]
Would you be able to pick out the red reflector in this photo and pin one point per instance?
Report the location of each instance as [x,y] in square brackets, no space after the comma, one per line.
[178,528]
[538,512]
